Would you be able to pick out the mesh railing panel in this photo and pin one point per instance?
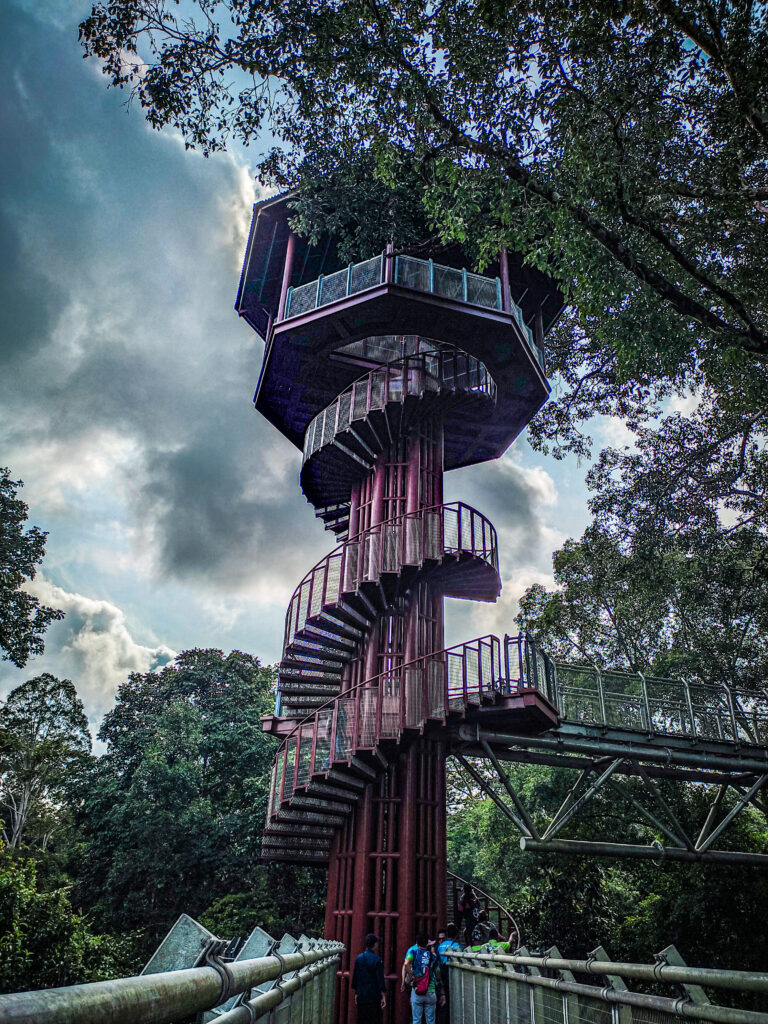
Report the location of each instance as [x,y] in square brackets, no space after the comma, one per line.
[455,679]
[482,291]
[323,741]
[304,756]
[333,287]
[436,684]
[448,282]
[390,706]
[365,275]
[316,601]
[367,710]
[414,715]
[302,299]
[472,670]
[345,712]
[290,761]
[412,273]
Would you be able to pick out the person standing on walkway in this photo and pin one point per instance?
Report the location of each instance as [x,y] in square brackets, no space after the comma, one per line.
[368,983]
[469,909]
[421,970]
[447,945]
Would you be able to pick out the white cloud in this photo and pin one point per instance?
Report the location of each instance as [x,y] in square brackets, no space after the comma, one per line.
[93,645]
[687,403]
[615,433]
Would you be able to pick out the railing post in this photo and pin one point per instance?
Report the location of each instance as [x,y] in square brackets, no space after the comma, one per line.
[387,264]
[349,279]
[431,275]
[732,713]
[647,703]
[464,283]
[319,296]
[601,695]
[689,702]
[508,681]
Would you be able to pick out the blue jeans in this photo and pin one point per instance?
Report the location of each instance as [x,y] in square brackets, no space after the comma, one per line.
[423,1005]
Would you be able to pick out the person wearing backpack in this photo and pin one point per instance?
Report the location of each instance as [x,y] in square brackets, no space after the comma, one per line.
[482,929]
[421,970]
[368,983]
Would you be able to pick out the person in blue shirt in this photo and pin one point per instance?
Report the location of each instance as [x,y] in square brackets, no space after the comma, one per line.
[448,943]
[421,969]
[368,983]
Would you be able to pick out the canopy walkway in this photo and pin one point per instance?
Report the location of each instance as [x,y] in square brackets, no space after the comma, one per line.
[296,981]
[504,700]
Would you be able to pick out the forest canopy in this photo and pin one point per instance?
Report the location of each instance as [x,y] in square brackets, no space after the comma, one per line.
[621,146]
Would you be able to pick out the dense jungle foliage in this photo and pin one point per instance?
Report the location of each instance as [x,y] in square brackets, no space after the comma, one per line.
[622,146]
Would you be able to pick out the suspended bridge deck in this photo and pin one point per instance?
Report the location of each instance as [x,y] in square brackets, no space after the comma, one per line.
[504,700]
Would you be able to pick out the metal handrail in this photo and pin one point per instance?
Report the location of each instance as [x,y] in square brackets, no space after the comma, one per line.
[498,907]
[428,277]
[374,680]
[314,438]
[311,722]
[155,998]
[295,603]
[497,965]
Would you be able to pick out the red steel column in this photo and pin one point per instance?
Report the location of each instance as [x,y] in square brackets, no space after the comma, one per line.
[388,867]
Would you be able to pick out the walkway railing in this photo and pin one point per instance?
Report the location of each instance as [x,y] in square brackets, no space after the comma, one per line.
[407,540]
[639,702]
[421,275]
[493,988]
[406,696]
[414,375]
[174,995]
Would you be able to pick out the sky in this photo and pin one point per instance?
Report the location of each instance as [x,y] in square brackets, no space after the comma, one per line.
[174,513]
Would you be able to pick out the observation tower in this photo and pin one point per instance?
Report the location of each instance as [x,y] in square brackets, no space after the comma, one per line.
[386,373]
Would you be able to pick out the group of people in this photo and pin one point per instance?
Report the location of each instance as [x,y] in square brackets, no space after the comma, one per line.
[425,967]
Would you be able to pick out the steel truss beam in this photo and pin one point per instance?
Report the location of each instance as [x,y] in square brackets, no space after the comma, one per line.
[610,770]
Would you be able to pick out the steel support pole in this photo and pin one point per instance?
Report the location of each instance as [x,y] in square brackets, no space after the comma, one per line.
[657,853]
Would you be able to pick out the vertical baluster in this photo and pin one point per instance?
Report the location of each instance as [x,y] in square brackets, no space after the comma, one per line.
[431,276]
[464,284]
[349,278]
[464,676]
[319,296]
[732,712]
[521,667]
[601,695]
[316,722]
[646,704]
[508,681]
[689,702]
[333,730]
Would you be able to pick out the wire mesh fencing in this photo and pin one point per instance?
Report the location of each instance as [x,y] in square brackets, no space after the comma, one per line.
[495,988]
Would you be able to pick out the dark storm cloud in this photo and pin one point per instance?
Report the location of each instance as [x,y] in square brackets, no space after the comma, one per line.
[120,261]
[516,500]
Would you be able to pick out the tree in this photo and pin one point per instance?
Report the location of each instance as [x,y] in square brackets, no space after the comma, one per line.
[44,745]
[173,812]
[632,908]
[621,145]
[43,942]
[671,577]
[23,620]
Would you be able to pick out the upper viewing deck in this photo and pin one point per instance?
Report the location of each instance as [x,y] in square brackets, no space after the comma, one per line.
[420,275]
[308,308]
